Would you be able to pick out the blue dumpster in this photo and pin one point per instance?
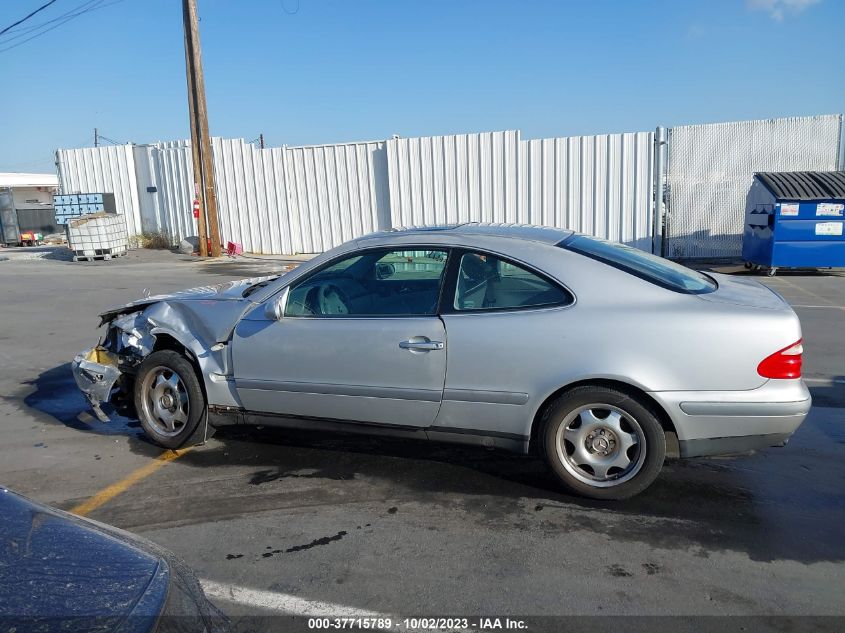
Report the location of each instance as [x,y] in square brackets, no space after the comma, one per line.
[795,220]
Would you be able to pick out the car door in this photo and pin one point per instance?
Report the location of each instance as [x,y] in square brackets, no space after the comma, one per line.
[359,340]
[499,316]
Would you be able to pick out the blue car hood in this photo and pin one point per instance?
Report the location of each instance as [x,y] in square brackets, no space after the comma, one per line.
[53,565]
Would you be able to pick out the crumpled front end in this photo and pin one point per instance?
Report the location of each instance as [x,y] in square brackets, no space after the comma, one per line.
[96,371]
[103,370]
[199,329]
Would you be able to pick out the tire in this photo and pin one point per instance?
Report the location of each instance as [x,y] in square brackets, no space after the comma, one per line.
[603,443]
[169,400]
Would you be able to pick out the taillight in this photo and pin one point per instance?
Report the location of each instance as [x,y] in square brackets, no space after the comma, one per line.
[785,363]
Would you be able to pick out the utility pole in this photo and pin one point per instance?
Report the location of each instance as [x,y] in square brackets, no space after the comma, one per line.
[96,138]
[200,139]
[261,141]
[202,236]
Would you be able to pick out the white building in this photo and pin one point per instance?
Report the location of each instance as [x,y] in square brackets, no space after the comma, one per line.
[26,203]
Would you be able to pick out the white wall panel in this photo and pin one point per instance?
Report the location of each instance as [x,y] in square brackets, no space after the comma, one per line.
[596,184]
[600,185]
[449,179]
[335,193]
[168,168]
[103,170]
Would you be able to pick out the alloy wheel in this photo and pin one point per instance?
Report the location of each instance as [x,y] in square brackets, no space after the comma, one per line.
[601,445]
[166,405]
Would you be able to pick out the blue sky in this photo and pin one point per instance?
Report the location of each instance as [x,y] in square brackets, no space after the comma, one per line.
[346,70]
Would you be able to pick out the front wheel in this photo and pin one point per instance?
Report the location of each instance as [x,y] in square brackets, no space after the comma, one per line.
[602,443]
[168,398]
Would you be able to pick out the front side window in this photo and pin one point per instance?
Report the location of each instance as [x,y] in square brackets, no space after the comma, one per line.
[376,283]
[650,267]
[486,282]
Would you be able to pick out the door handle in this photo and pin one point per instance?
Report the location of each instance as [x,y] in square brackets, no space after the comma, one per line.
[421,344]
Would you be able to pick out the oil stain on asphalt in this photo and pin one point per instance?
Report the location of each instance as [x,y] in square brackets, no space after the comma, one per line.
[325,540]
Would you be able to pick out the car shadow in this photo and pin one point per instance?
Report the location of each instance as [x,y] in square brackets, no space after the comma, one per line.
[761,505]
[829,393]
[55,396]
[778,504]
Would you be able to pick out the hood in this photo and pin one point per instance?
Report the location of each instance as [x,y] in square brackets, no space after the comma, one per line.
[226,291]
[53,565]
[59,571]
[742,291]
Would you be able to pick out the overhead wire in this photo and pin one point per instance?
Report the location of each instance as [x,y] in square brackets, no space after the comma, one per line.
[91,5]
[20,32]
[109,140]
[24,19]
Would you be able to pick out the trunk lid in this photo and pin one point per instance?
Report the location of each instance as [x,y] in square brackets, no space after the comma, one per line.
[743,291]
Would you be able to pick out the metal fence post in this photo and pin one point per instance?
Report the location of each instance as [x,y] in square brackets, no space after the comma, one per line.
[657,237]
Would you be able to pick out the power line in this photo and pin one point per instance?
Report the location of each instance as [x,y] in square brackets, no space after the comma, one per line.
[109,140]
[22,20]
[97,4]
[22,31]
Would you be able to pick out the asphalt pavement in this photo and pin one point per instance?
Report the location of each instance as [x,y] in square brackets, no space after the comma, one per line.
[278,521]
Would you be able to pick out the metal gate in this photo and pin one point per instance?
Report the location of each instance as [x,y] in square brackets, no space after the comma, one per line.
[711,168]
[9,230]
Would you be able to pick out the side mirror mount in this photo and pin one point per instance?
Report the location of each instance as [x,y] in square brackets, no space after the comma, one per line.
[384,270]
[274,309]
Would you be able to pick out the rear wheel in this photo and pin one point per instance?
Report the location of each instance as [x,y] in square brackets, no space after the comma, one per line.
[603,443]
[168,399]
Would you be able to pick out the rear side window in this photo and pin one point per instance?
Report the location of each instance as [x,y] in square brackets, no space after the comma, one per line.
[486,282]
[655,269]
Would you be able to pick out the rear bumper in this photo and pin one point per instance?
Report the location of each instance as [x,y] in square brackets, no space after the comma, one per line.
[731,445]
[725,422]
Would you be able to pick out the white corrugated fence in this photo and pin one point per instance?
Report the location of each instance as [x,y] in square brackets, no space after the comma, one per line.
[103,170]
[601,185]
[308,199]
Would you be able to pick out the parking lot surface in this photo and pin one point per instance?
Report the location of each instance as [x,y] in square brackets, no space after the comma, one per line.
[281,521]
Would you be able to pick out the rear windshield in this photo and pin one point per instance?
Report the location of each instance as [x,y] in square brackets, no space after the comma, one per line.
[645,265]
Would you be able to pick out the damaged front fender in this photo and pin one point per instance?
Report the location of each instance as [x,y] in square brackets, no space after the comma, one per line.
[96,371]
[201,328]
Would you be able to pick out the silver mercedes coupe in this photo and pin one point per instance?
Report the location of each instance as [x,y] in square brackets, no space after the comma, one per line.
[599,357]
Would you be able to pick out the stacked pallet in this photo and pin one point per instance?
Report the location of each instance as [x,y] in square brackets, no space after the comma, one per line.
[97,236]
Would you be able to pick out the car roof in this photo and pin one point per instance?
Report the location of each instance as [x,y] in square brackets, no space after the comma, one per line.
[530,232]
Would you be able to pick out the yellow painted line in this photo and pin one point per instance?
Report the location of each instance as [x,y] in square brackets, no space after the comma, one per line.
[110,492]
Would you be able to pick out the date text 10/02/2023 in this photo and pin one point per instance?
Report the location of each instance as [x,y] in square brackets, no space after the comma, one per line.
[416,624]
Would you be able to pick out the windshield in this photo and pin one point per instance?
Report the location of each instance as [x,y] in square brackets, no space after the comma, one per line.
[644,265]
